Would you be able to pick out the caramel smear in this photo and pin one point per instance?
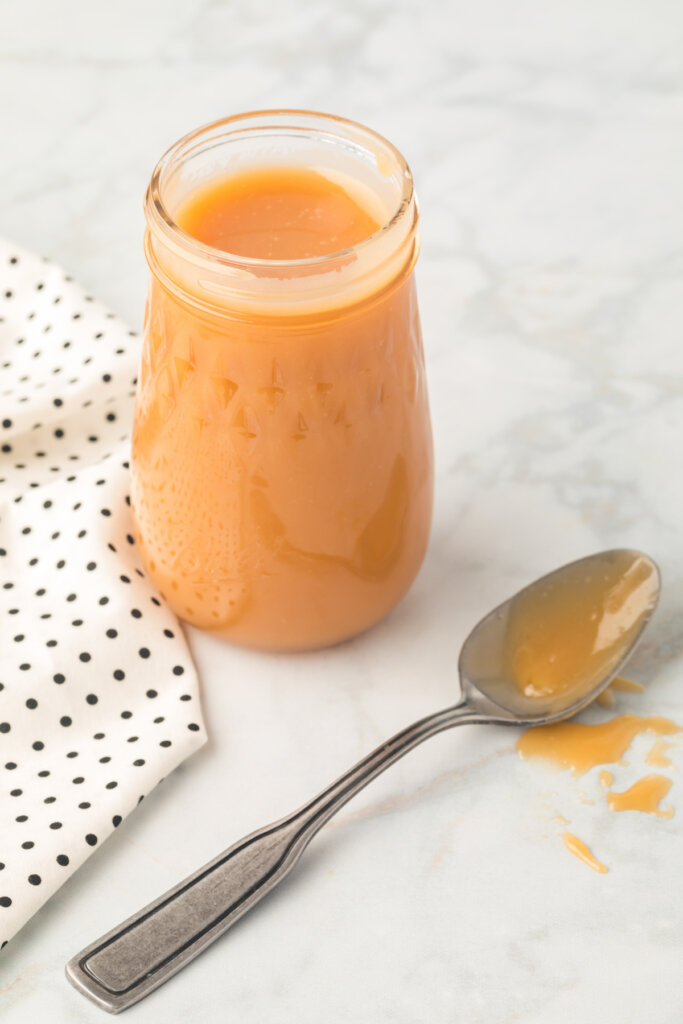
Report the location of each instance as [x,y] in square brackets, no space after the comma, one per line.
[578,747]
[580,850]
[606,778]
[644,795]
[657,755]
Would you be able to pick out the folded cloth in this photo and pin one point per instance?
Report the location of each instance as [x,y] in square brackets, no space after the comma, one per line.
[98,695]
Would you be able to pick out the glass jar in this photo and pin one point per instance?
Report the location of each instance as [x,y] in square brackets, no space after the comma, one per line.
[282,470]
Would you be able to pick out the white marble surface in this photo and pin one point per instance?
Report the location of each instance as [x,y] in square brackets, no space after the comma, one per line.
[545,139]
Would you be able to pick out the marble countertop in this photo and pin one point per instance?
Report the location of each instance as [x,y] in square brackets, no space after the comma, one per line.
[545,140]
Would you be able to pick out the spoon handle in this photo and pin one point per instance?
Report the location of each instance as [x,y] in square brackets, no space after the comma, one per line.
[143,952]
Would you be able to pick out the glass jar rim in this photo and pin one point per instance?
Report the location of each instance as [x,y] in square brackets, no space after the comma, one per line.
[159,218]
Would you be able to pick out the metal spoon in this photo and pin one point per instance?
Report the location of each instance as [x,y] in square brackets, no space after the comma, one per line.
[137,956]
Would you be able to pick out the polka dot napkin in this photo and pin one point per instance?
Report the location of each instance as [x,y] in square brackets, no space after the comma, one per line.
[98,696]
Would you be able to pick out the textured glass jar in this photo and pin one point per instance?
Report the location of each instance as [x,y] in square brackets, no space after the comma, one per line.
[282,472]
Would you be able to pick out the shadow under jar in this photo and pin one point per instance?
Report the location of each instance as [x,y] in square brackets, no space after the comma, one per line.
[282,472]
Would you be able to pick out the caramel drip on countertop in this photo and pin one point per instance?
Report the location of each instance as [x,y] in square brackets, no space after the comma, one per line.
[580,850]
[578,747]
[657,755]
[644,795]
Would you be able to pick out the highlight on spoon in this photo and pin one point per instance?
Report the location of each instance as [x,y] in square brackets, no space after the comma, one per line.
[558,642]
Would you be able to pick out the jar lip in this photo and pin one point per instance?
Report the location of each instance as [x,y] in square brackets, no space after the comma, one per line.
[159,218]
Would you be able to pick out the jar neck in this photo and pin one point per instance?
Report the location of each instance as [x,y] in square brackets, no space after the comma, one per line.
[224,284]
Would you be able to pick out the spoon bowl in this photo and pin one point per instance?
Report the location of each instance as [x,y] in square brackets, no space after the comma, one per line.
[572,630]
[539,657]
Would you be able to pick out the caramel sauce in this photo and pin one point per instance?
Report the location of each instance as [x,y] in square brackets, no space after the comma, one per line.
[606,699]
[563,638]
[625,685]
[278,213]
[657,754]
[579,747]
[644,795]
[580,850]
[281,480]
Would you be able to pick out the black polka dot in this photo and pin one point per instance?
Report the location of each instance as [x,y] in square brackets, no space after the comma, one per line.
[178,670]
[193,727]
[116,820]
[55,825]
[91,839]
[58,678]
[152,694]
[5,901]
[112,633]
[91,698]
[119,674]
[144,652]
[65,721]
[34,879]
[62,859]
[84,656]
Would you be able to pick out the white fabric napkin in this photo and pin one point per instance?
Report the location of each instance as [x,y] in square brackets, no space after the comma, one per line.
[98,695]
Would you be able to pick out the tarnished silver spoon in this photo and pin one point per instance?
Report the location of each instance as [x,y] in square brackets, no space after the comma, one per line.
[542,656]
